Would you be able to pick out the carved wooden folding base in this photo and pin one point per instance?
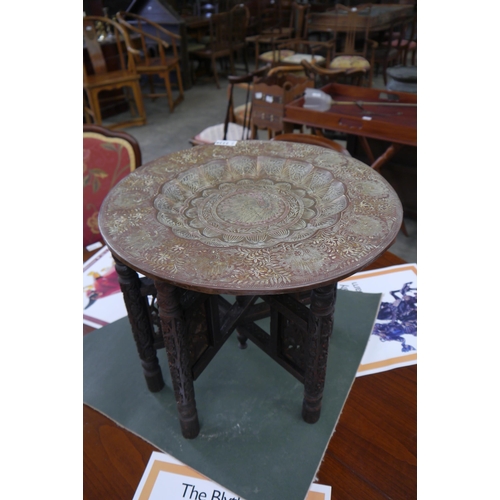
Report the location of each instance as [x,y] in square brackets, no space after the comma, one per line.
[193,326]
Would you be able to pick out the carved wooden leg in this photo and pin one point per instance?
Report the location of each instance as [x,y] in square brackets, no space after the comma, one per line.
[174,335]
[316,350]
[242,339]
[386,156]
[137,309]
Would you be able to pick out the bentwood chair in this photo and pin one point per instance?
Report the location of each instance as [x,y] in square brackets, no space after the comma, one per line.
[107,68]
[323,75]
[406,41]
[216,46]
[399,41]
[237,123]
[240,122]
[270,94]
[350,34]
[108,156]
[268,17]
[266,49]
[242,114]
[157,54]
[314,52]
[226,36]
[239,17]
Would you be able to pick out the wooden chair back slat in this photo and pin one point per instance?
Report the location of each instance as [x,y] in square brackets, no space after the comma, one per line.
[350,25]
[94,49]
[106,67]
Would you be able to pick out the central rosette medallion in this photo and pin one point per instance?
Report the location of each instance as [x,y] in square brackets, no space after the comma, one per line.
[250,207]
[251,201]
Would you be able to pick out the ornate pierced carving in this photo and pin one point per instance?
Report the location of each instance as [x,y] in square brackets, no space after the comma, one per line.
[176,344]
[316,349]
[196,324]
[137,307]
[292,343]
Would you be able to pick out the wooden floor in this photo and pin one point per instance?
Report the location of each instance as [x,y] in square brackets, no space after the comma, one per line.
[372,454]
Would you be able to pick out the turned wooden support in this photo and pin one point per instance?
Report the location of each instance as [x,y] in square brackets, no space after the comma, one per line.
[176,344]
[384,158]
[242,338]
[316,350]
[368,150]
[137,309]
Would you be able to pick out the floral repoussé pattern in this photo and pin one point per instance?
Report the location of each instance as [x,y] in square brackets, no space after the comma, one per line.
[259,217]
[227,201]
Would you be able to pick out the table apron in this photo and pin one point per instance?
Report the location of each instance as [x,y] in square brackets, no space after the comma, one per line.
[359,127]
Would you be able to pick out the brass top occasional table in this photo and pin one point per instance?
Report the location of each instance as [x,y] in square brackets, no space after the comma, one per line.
[279,222]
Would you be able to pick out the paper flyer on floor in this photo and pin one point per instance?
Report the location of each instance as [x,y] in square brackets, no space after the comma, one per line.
[166,477]
[393,342]
[102,298]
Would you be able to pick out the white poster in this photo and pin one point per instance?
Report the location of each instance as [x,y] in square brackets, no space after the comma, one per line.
[166,477]
[102,298]
[393,342]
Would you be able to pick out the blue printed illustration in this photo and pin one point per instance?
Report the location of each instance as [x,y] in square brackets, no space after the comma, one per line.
[398,318]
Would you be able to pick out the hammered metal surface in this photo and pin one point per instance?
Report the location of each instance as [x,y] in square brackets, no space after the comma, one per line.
[267,217]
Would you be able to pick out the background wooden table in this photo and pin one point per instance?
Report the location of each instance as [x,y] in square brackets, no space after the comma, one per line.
[397,125]
[379,19]
[372,454]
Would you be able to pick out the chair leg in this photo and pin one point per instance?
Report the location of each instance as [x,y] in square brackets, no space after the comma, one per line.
[166,78]
[254,134]
[257,55]
[95,106]
[179,82]
[214,69]
[131,101]
[245,58]
[151,86]
[192,70]
[87,111]
[231,63]
[136,89]
[86,114]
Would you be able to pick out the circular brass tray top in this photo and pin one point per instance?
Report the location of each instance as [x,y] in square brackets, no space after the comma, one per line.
[258,217]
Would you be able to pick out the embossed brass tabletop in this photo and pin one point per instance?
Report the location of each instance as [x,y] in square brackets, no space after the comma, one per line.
[258,219]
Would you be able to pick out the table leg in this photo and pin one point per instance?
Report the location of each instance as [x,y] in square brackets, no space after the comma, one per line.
[316,350]
[242,338]
[388,154]
[367,149]
[174,335]
[137,309]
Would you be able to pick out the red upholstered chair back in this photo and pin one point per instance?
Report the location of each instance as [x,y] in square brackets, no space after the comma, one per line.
[108,156]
